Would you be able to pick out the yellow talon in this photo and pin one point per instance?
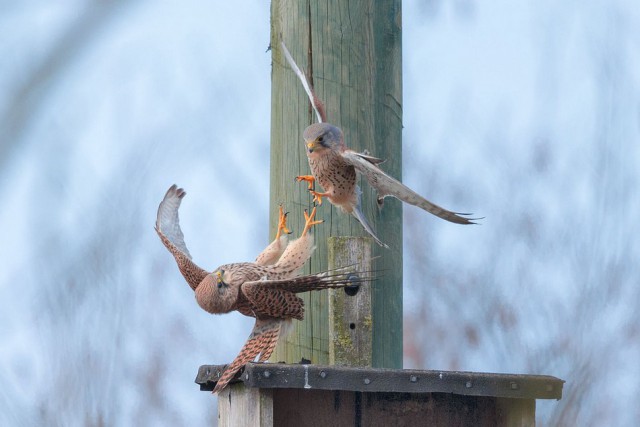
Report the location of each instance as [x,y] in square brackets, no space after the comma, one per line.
[309,221]
[282,223]
[309,178]
[317,197]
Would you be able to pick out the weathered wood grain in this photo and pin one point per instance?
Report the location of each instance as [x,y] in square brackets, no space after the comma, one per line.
[241,406]
[352,53]
[350,316]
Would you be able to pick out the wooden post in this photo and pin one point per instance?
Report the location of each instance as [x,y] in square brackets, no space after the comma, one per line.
[350,317]
[351,52]
[238,406]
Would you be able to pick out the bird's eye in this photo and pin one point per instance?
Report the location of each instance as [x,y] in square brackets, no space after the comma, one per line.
[320,139]
[219,280]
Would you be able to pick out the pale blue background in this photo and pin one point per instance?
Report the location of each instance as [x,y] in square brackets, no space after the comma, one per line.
[526,112]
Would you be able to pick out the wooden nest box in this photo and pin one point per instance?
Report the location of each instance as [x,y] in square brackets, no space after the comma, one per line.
[274,394]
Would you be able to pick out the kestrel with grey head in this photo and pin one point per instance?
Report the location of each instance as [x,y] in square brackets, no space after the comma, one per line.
[335,167]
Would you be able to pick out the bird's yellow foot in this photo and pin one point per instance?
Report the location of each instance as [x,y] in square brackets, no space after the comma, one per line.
[282,223]
[309,178]
[317,196]
[309,221]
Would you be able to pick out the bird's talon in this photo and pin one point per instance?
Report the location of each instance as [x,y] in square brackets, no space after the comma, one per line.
[309,178]
[309,221]
[317,197]
[282,223]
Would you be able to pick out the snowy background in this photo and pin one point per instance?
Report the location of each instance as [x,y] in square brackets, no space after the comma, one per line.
[526,112]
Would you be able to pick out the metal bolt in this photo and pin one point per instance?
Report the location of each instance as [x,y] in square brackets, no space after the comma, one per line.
[208,371]
[413,378]
[323,374]
[246,376]
[367,381]
[468,384]
[267,374]
[514,385]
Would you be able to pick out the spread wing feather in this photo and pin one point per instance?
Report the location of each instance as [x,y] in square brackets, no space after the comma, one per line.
[267,301]
[313,282]
[315,102]
[386,185]
[168,228]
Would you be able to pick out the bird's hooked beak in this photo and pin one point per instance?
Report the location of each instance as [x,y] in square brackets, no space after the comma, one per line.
[311,146]
[319,142]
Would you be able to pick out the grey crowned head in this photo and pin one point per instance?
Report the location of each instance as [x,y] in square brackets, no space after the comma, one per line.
[320,136]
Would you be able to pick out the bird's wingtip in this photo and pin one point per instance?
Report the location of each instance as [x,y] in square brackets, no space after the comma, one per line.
[461,216]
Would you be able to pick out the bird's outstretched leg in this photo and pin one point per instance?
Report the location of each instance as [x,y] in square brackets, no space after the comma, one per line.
[272,253]
[299,251]
[317,196]
[282,223]
[309,178]
[309,221]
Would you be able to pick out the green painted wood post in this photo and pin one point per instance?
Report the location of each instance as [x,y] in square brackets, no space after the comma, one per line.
[351,50]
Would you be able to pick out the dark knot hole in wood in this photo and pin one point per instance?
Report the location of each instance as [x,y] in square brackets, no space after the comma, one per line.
[354,287]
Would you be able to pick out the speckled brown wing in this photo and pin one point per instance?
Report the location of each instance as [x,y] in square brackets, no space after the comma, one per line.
[388,186]
[327,280]
[261,342]
[279,303]
[168,228]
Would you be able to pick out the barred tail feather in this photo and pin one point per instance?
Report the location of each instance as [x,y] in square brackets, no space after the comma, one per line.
[261,343]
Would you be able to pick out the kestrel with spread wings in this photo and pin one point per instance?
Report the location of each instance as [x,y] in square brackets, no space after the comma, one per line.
[264,289]
[335,167]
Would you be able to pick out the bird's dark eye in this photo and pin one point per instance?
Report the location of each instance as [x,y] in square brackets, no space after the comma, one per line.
[321,139]
[220,284]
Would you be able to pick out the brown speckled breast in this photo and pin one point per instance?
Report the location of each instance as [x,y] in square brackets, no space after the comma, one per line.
[336,177]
